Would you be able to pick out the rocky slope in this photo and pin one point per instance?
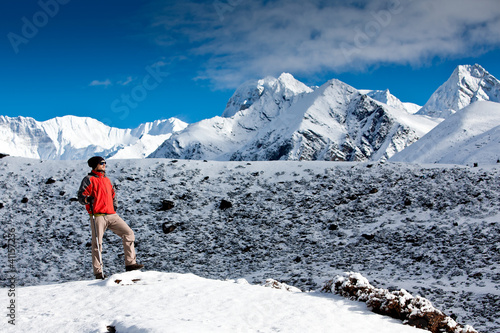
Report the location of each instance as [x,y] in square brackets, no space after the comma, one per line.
[432,230]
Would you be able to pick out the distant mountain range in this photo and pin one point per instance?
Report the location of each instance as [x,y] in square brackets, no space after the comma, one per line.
[283,119]
[73,138]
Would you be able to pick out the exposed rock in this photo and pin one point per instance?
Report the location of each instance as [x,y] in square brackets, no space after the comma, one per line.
[50,181]
[166,205]
[224,204]
[168,228]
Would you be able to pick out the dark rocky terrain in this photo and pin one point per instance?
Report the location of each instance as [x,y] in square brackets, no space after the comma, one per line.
[432,230]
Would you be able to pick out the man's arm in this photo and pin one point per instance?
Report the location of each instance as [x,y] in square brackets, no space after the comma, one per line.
[84,190]
[113,190]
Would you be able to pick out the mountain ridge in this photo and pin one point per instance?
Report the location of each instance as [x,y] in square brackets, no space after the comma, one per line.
[332,122]
[72,137]
[266,119]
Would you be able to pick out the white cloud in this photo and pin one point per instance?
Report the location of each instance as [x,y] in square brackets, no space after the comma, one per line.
[105,83]
[126,82]
[240,39]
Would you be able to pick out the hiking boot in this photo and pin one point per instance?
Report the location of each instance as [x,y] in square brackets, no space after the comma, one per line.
[100,276]
[133,267]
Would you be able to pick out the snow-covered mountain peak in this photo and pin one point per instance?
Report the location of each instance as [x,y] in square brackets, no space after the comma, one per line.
[467,84]
[81,132]
[72,137]
[475,70]
[150,136]
[334,91]
[269,89]
[159,127]
[293,85]
[274,119]
[386,97]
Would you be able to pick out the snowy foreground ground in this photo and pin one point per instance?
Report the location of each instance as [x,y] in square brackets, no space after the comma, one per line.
[170,302]
[430,229]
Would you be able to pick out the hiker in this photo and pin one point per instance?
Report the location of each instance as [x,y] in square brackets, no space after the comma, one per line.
[98,194]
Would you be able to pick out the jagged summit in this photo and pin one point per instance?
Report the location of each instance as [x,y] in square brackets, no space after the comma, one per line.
[283,119]
[467,84]
[264,91]
[386,97]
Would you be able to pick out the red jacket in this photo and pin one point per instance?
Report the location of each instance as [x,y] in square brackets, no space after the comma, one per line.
[98,186]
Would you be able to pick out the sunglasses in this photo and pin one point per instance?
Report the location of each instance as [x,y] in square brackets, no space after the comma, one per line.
[102,163]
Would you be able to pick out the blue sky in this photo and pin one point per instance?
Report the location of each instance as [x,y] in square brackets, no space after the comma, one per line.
[128,62]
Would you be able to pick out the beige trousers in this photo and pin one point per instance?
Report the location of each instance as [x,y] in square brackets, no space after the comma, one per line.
[114,223]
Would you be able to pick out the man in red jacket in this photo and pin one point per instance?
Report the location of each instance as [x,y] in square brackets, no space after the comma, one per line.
[96,189]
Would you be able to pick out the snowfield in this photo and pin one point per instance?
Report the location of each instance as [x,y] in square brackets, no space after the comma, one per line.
[170,302]
[430,229]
